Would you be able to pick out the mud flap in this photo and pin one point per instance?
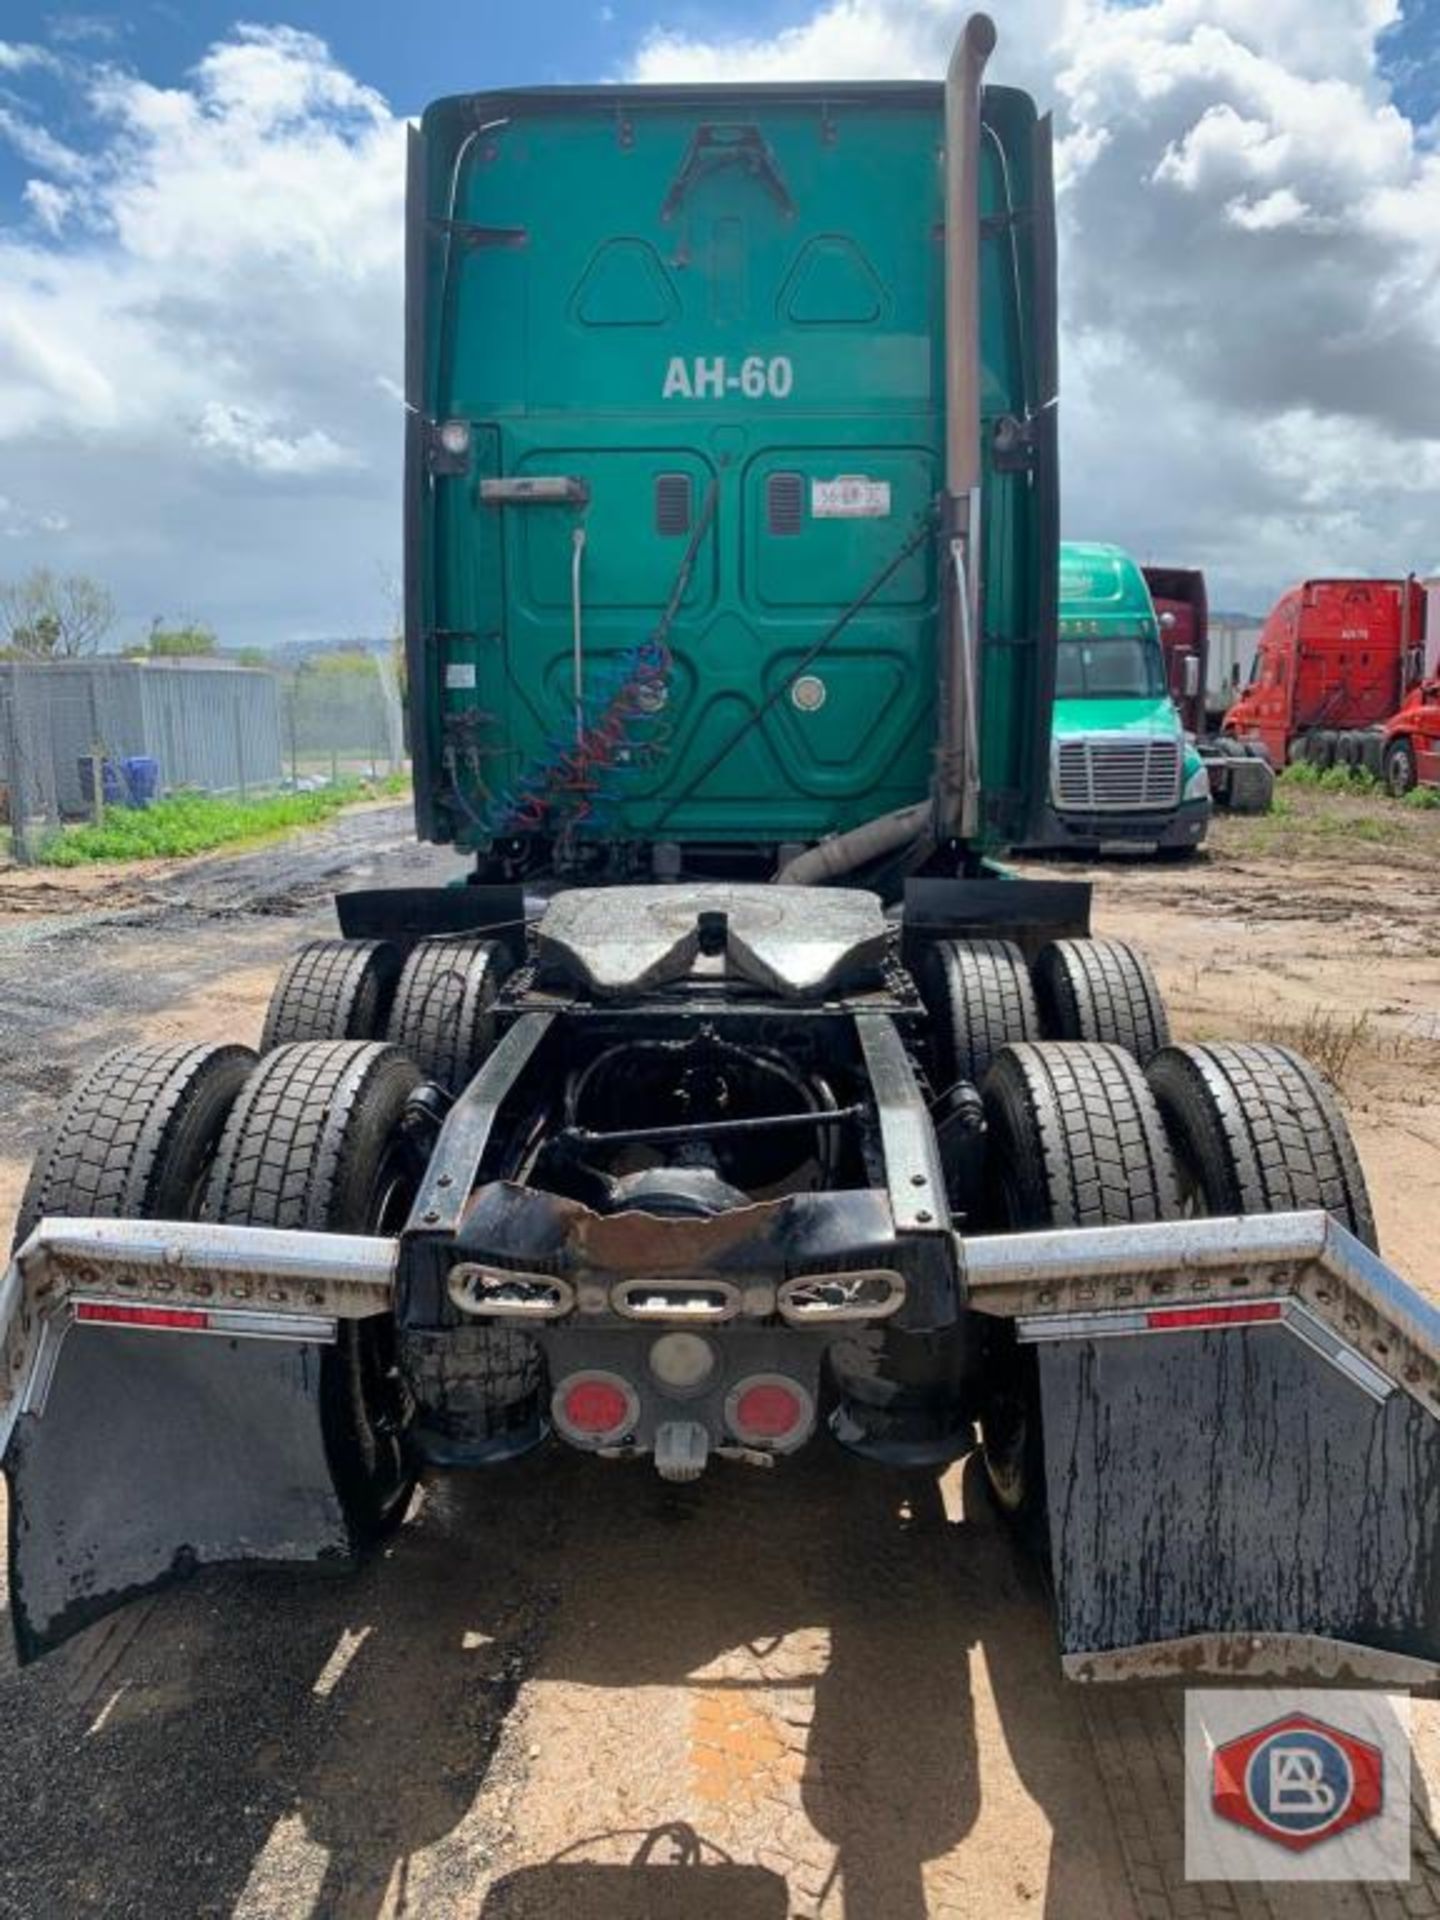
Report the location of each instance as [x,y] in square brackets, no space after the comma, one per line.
[176,1395]
[158,1454]
[1241,1427]
[1234,1483]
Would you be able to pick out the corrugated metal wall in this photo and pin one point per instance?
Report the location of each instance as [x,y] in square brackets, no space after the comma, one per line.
[213,728]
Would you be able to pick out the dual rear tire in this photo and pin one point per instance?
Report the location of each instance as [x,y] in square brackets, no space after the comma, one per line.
[1079,1137]
[438,1006]
[982,997]
[312,1137]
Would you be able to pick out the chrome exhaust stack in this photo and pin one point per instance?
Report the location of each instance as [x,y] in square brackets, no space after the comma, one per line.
[957,768]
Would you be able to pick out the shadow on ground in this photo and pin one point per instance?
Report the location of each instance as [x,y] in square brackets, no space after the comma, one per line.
[267,1745]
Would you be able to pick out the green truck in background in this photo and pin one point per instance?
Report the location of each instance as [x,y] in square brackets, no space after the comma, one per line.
[1121,767]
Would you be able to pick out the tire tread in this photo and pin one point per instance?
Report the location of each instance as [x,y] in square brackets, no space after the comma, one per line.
[1263,1130]
[332,990]
[1101,990]
[108,1154]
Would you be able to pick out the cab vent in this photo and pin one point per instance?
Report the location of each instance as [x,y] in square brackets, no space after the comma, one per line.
[672,503]
[784,502]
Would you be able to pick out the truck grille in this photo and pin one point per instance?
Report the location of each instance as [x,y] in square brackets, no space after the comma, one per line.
[1113,776]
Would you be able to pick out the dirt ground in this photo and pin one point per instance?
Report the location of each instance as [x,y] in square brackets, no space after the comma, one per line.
[569,1690]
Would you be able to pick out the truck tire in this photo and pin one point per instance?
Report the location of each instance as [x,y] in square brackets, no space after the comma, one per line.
[315,1142]
[1372,752]
[1101,990]
[1322,750]
[443,1013]
[1075,1140]
[332,990]
[136,1138]
[1255,1129]
[1400,771]
[980,998]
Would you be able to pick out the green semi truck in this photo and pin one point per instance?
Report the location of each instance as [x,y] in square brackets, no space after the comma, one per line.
[735,1102]
[1122,770]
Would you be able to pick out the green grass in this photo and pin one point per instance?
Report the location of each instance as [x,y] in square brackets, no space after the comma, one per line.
[1335,815]
[189,823]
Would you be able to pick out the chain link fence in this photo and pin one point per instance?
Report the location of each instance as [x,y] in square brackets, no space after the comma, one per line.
[30,804]
[341,719]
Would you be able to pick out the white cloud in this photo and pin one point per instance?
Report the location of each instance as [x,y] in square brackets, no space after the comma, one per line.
[193,325]
[200,306]
[19,522]
[20,57]
[35,145]
[1250,264]
[49,203]
[254,440]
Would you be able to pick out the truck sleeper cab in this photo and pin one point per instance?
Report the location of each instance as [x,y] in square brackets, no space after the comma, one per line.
[1335,660]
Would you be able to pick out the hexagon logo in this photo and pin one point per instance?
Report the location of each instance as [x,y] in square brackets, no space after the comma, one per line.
[1297,1781]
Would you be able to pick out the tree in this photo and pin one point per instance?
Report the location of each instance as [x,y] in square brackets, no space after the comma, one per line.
[180,643]
[49,616]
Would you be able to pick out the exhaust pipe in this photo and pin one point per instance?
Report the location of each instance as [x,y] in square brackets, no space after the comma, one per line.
[957,769]
[953,809]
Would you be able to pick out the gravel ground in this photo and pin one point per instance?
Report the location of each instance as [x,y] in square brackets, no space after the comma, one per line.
[568,1690]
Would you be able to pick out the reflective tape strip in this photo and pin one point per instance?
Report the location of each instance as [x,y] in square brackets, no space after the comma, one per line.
[1218,1317]
[246,1323]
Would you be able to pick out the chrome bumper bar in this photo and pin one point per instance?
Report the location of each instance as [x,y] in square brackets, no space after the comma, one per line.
[1302,1269]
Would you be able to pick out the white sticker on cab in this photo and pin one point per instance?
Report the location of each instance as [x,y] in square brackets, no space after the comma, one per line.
[850,496]
[459,675]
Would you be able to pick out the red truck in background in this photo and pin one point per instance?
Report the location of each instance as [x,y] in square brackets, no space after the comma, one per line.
[1241,778]
[1410,741]
[1336,659]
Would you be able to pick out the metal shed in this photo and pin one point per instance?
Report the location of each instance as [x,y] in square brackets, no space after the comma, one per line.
[210,726]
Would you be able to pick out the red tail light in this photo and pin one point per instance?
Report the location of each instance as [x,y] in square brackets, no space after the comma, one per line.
[767,1410]
[594,1409]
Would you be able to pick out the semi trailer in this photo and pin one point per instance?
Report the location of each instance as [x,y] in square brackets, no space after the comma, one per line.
[738,1102]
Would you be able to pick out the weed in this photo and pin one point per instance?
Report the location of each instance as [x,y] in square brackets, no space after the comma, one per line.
[1331,1041]
[1348,780]
[1423,799]
[189,823]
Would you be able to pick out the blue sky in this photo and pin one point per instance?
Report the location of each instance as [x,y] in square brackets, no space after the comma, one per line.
[412,50]
[200,252]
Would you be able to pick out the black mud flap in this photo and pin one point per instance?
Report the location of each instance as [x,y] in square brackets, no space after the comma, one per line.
[1241,1446]
[160,1453]
[1235,1501]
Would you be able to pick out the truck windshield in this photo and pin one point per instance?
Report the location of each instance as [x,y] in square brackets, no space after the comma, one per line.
[1109,667]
